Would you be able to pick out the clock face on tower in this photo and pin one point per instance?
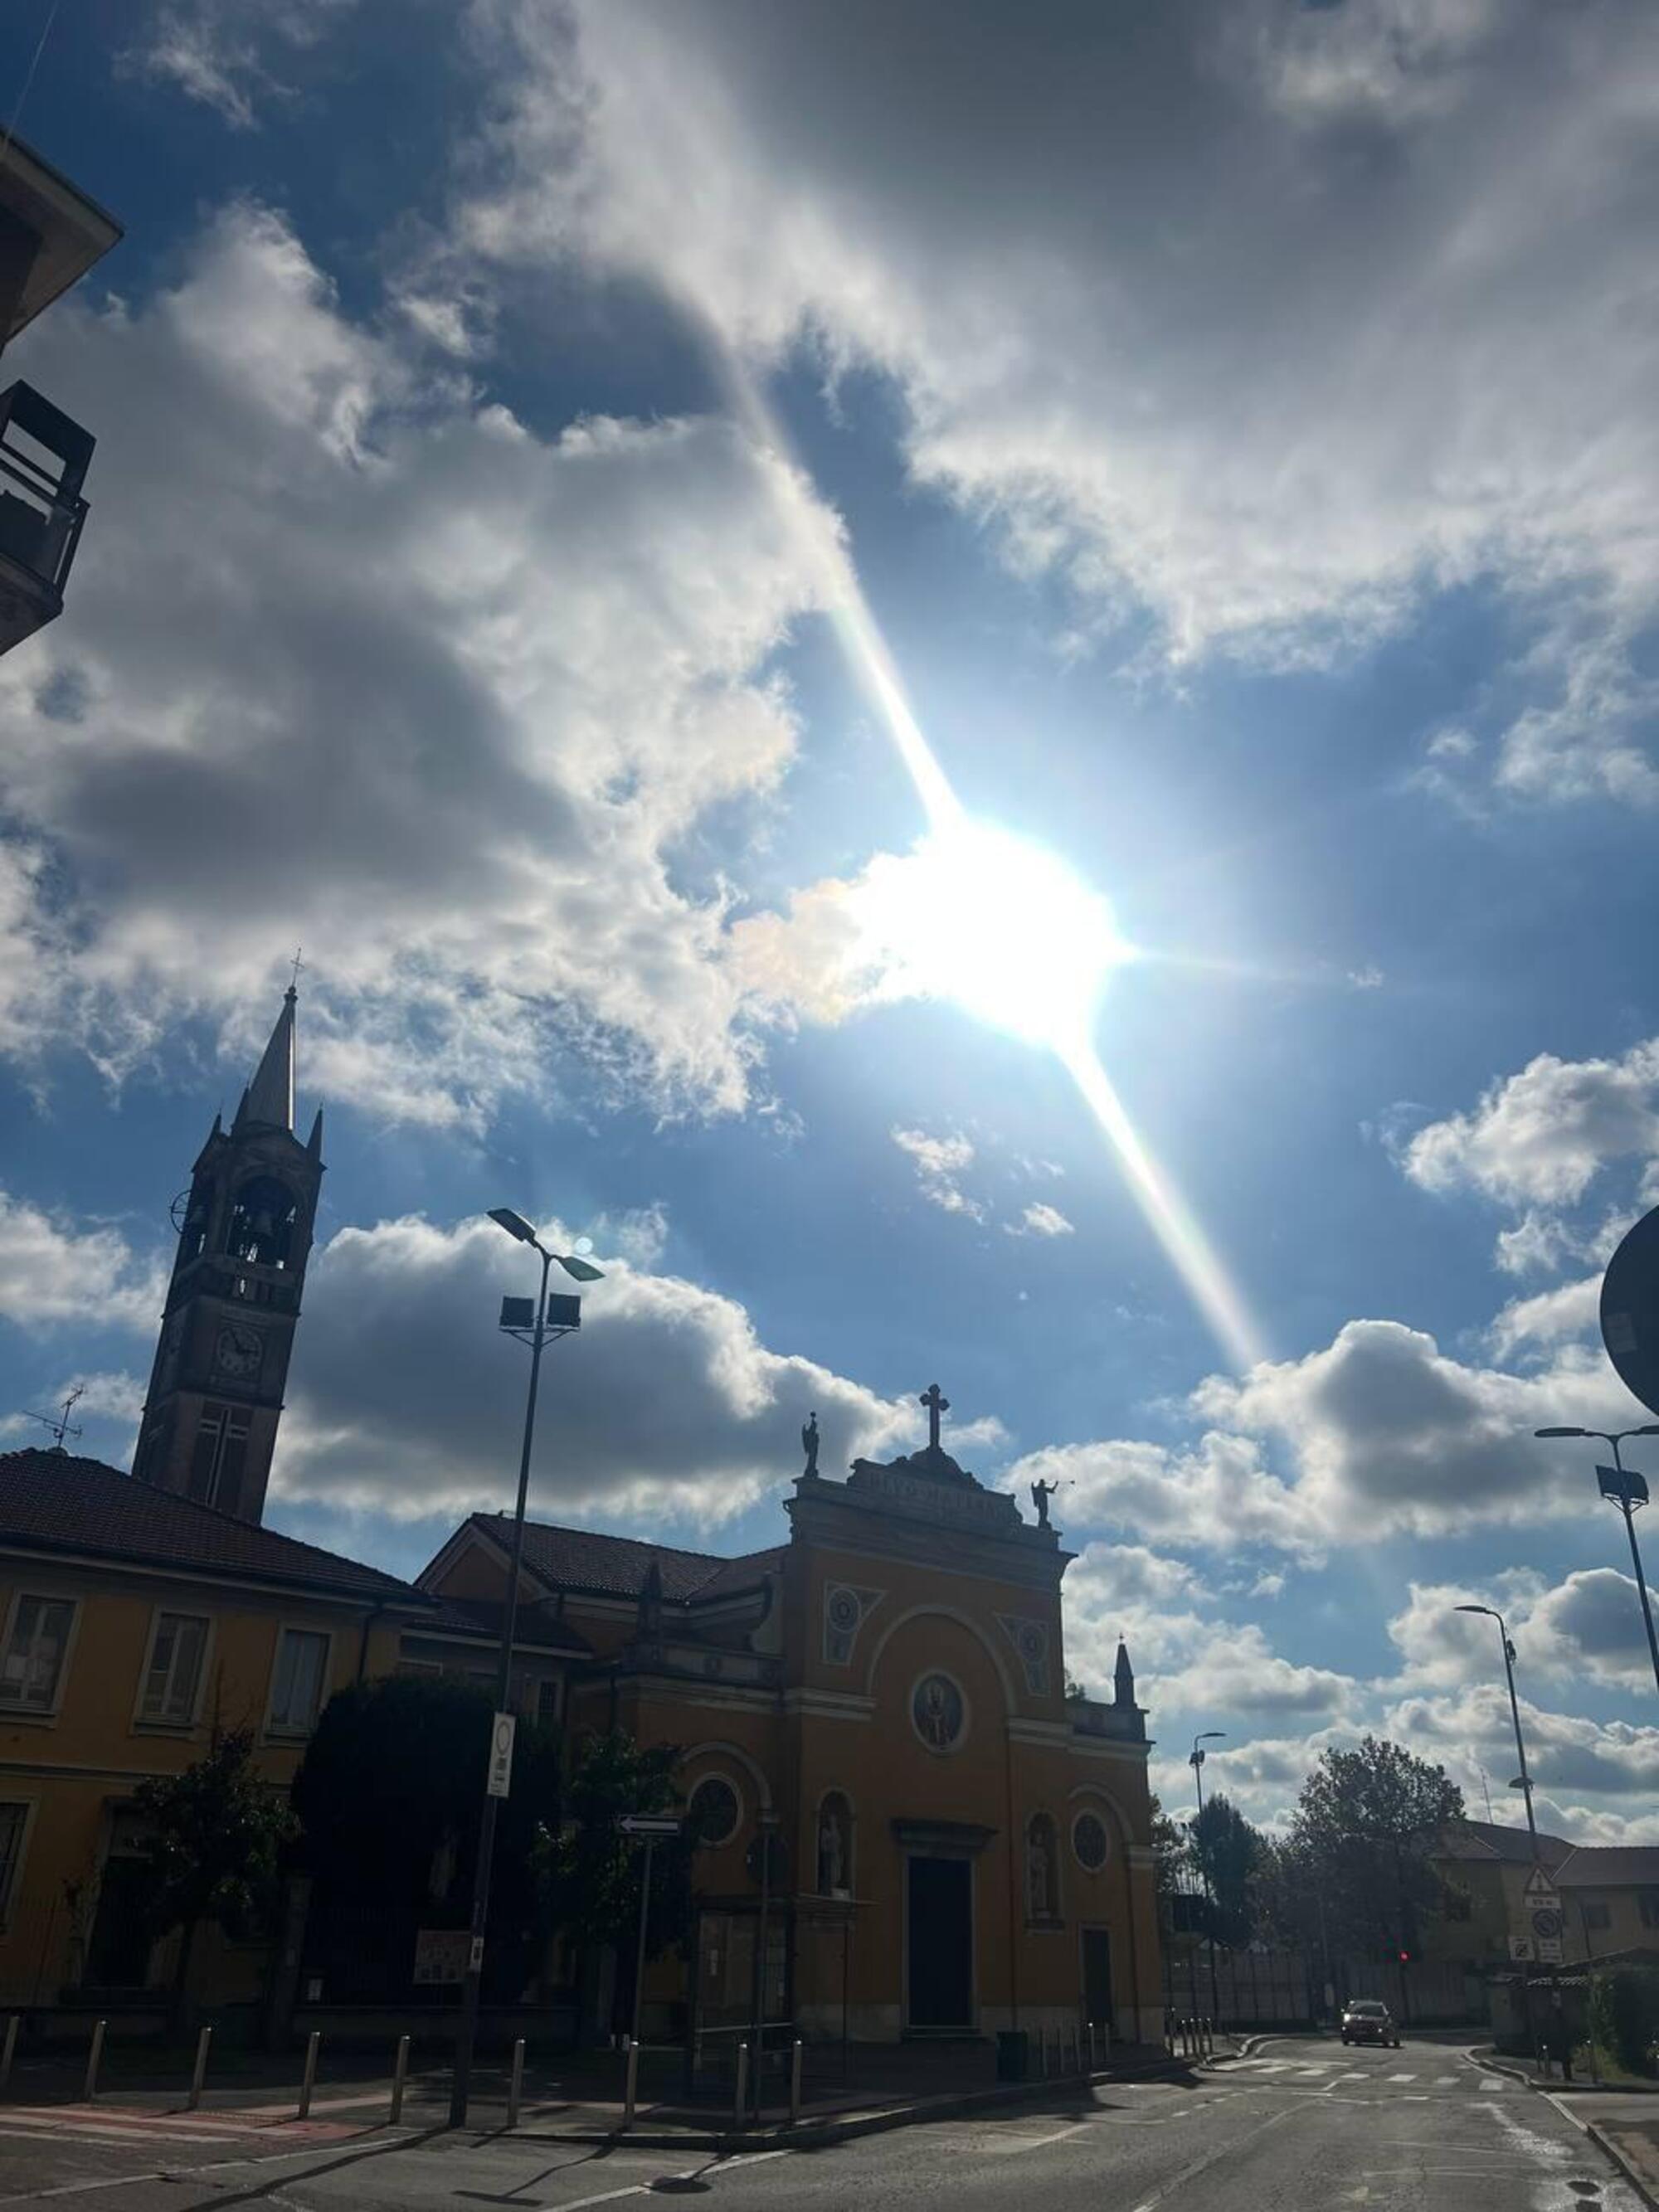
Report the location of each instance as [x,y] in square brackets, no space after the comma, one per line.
[237,1352]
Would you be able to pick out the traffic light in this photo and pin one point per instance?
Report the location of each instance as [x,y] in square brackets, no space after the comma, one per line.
[1405,1958]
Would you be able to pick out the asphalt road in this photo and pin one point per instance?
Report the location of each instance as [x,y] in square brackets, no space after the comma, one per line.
[1302,2126]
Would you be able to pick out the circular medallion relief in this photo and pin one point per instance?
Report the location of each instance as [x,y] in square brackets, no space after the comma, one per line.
[713,1815]
[843,1611]
[937,1712]
[1033,1643]
[1089,1841]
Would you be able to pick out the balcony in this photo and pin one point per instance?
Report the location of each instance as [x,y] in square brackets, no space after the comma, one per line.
[43,458]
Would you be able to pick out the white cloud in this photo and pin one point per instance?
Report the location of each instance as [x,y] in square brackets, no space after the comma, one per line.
[1569,1311]
[1543,1135]
[448,696]
[215,51]
[55,1274]
[1040,1219]
[404,1398]
[115,1397]
[939,1161]
[1215,1495]
[1201,410]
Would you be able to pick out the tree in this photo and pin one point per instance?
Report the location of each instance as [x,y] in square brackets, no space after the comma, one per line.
[589,1873]
[1365,1826]
[1169,1852]
[213,1841]
[388,1794]
[1225,1850]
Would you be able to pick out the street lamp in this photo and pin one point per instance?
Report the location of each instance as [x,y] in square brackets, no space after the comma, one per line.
[1197,1759]
[1628,1491]
[538,1326]
[1196,1762]
[1523,1780]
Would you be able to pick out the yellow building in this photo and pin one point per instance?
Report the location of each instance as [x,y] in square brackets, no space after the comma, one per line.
[136,1623]
[960,1848]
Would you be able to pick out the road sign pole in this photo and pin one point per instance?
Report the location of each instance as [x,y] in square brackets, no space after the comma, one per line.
[639,1955]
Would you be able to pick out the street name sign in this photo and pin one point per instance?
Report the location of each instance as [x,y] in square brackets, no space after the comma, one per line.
[502,1731]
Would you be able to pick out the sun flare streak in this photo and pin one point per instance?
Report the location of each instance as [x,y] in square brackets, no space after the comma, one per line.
[1068,953]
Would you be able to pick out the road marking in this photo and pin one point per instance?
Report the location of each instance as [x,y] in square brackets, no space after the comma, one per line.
[1228,2150]
[108,2132]
[1312,2073]
[1027,2142]
[1488,2083]
[1402,2077]
[1353,2077]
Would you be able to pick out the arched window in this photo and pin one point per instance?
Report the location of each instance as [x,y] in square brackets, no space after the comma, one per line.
[712,1815]
[262,1223]
[834,1842]
[1089,1841]
[1042,1868]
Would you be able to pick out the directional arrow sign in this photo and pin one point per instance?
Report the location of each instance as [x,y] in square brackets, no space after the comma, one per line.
[648,1824]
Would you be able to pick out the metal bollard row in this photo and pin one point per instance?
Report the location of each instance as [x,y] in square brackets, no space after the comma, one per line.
[400,2076]
[740,2103]
[313,2044]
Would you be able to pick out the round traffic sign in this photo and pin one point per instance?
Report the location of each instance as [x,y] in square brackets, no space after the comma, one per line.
[1630,1310]
[1546,1923]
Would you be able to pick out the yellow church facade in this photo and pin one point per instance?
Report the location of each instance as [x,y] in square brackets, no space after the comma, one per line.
[957,1847]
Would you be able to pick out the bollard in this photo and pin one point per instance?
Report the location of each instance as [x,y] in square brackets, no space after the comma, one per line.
[313,2042]
[1093,2062]
[399,2075]
[10,2050]
[630,2087]
[794,2083]
[740,2102]
[203,2042]
[92,2057]
[516,2084]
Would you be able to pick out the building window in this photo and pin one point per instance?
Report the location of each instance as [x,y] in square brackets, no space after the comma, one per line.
[1647,1904]
[547,1701]
[713,1812]
[1042,1868]
[834,1842]
[13,1826]
[32,1672]
[216,1469]
[1089,1841]
[174,1677]
[1597,1915]
[296,1692]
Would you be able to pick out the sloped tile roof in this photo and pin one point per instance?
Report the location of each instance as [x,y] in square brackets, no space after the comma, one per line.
[616,1566]
[53,1501]
[1490,1839]
[1611,1865]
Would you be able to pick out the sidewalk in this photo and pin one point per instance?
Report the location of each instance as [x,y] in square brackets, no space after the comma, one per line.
[901,2089]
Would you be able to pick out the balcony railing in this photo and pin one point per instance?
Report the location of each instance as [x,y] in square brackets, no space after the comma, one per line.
[43,458]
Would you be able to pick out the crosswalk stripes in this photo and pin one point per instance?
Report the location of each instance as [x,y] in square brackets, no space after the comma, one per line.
[1322,2070]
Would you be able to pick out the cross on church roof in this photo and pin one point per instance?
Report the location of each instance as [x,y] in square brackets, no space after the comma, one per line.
[937,1403]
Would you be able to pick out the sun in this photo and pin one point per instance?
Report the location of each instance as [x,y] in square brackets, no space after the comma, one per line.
[1003,928]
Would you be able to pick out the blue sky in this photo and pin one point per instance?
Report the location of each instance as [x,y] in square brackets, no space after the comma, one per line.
[1235,421]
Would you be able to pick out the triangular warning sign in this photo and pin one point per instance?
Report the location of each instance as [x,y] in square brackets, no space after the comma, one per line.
[1540,1889]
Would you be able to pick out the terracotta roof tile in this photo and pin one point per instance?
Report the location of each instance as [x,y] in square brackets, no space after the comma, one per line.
[53,1501]
[616,1566]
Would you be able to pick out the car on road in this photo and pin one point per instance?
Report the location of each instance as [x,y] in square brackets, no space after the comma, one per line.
[1367,2020]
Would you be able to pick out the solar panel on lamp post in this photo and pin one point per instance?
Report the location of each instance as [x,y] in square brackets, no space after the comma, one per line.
[580,1271]
[1628,1490]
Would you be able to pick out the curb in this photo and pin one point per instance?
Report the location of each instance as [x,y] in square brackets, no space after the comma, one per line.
[1604,2143]
[810,2134]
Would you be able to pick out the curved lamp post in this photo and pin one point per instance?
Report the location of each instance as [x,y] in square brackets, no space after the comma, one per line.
[541,1326]
[1196,1762]
[1523,1780]
[1628,1491]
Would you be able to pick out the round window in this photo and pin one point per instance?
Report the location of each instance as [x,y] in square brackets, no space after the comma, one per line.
[1089,1841]
[712,1816]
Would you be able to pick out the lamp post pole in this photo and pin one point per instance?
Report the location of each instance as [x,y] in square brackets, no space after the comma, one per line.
[1627,1490]
[1196,1762]
[460,2084]
[583,1272]
[1525,1779]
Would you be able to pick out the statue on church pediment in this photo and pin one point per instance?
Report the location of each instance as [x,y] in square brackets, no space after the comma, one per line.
[809,1444]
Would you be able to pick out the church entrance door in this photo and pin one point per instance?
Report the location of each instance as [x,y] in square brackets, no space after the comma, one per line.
[939,1898]
[1098,1978]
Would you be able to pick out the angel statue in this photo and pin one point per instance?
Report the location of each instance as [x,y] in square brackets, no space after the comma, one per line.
[809,1444]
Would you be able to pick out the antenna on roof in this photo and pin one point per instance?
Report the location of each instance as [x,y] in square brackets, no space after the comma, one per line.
[60,1424]
[1486,1786]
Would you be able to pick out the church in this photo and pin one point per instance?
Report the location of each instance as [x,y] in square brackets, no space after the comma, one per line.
[909,1826]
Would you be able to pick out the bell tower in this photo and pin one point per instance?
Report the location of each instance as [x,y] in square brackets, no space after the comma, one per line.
[244,1228]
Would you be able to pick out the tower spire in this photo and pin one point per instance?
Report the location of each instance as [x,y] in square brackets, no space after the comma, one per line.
[269,1099]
